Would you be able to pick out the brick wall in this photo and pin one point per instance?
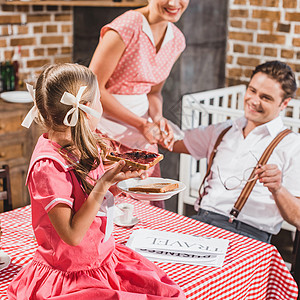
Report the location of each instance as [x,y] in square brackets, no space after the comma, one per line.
[45,34]
[261,30]
[258,30]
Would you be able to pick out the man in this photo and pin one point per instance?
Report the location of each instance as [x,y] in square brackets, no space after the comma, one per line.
[276,193]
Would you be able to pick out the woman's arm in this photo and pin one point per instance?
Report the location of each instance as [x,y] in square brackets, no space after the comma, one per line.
[73,227]
[105,60]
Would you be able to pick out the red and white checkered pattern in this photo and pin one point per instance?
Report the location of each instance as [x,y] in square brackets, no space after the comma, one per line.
[252,270]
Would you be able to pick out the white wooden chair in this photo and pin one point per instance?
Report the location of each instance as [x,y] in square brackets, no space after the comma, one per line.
[211,107]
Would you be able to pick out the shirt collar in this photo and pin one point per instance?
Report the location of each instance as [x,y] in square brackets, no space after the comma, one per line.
[169,35]
[273,127]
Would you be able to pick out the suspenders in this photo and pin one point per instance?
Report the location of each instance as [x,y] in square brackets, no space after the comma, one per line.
[239,204]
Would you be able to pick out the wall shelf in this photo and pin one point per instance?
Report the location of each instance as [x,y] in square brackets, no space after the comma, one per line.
[98,3]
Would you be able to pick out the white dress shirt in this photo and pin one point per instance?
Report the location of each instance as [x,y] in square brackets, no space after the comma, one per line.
[233,157]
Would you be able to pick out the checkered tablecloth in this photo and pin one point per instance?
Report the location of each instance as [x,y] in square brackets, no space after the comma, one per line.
[252,270]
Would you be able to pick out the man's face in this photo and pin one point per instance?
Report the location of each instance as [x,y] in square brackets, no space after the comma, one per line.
[263,99]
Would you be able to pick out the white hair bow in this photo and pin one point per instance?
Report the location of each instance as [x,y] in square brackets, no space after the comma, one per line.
[70,99]
[33,113]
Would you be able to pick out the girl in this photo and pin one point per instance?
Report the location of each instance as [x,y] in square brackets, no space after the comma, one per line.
[77,257]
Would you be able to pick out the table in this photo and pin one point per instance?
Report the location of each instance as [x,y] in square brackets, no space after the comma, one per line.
[251,270]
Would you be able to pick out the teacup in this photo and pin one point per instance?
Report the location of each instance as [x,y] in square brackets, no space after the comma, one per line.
[127,212]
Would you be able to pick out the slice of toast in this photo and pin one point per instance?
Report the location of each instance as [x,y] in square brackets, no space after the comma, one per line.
[155,187]
[136,164]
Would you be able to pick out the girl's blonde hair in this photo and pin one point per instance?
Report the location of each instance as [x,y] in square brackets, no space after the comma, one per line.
[50,86]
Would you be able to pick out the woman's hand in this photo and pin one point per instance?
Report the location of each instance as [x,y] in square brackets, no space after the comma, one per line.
[151,132]
[166,133]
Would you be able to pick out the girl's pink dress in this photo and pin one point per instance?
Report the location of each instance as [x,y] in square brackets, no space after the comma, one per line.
[95,269]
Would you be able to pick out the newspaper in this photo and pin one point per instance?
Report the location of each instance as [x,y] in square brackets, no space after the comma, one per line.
[162,246]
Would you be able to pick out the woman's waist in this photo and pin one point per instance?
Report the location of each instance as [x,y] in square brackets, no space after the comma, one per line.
[138,104]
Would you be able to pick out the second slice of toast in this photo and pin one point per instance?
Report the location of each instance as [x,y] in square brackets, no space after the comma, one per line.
[155,187]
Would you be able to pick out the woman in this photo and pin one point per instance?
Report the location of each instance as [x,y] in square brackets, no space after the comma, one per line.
[135,54]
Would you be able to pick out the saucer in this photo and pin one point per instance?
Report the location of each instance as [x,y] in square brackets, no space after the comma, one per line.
[4,260]
[118,222]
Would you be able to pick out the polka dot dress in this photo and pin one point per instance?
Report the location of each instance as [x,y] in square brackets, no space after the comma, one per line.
[141,67]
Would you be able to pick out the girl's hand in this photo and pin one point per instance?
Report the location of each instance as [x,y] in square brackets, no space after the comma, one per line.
[151,132]
[118,173]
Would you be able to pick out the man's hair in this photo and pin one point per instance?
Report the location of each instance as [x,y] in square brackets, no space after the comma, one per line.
[280,72]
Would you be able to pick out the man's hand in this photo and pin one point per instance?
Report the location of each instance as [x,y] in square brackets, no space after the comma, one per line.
[270,176]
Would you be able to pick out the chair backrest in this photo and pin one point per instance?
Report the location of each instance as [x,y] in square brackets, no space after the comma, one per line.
[211,107]
[5,193]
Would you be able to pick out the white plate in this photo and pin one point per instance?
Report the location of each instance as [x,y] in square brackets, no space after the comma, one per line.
[4,260]
[16,97]
[118,222]
[133,182]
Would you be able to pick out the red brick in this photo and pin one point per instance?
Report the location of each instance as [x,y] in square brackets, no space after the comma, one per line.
[38,18]
[297,28]
[287,53]
[66,28]
[10,19]
[38,29]
[235,72]
[8,8]
[270,52]
[266,14]
[24,41]
[292,16]
[283,27]
[8,54]
[39,52]
[22,29]
[37,63]
[272,3]
[248,73]
[51,28]
[66,50]
[52,51]
[289,3]
[254,50]
[238,48]
[22,8]
[246,61]
[251,25]
[256,3]
[52,8]
[24,52]
[240,2]
[52,40]
[296,42]
[65,17]
[60,60]
[38,7]
[3,43]
[241,36]
[271,38]
[236,23]
[266,25]
[239,13]
[229,59]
